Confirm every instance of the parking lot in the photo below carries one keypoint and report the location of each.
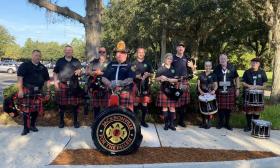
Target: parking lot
(7, 79)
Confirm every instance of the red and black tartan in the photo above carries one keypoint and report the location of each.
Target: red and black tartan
(126, 100)
(140, 99)
(96, 100)
(64, 98)
(226, 100)
(164, 101)
(253, 109)
(185, 98)
(29, 104)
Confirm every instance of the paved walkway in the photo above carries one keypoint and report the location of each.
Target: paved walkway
(39, 149)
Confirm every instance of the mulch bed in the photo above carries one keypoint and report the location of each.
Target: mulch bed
(148, 155)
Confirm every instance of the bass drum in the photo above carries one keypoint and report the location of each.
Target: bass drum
(116, 131)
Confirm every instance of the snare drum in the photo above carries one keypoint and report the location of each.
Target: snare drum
(261, 129)
(254, 98)
(208, 104)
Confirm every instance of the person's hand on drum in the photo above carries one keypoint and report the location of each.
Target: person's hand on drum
(213, 92)
(202, 93)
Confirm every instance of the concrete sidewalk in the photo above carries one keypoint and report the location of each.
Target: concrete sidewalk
(40, 149)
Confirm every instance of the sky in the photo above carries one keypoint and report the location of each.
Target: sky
(24, 20)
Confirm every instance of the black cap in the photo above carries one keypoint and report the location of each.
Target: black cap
(181, 44)
(256, 60)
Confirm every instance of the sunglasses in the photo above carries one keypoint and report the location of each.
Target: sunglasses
(101, 52)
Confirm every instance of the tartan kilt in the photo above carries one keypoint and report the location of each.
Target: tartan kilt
(253, 109)
(164, 101)
(185, 98)
(97, 101)
(140, 99)
(126, 99)
(64, 98)
(30, 104)
(226, 100)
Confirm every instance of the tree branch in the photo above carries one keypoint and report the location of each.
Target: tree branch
(64, 11)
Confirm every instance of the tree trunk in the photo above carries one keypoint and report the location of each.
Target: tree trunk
(275, 93)
(163, 43)
(93, 27)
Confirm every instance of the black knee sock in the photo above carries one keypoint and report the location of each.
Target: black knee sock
(96, 112)
(221, 115)
(25, 120)
(144, 110)
(256, 117)
(203, 119)
(166, 116)
(249, 120)
(172, 116)
(181, 112)
(227, 117)
(61, 114)
(34, 116)
(75, 113)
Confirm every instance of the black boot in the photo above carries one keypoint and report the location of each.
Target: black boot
(172, 119)
(227, 118)
(75, 117)
(144, 113)
(181, 120)
(25, 124)
(61, 118)
(221, 115)
(34, 116)
(96, 112)
(202, 125)
(207, 122)
(248, 120)
(166, 120)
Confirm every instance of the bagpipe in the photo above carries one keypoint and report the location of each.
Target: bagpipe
(95, 84)
(171, 90)
(142, 87)
(9, 105)
(12, 102)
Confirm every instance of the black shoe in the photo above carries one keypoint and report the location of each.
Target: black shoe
(182, 124)
(166, 126)
(219, 126)
(228, 127)
(76, 125)
(25, 131)
(144, 124)
(61, 125)
(34, 129)
(247, 129)
(172, 126)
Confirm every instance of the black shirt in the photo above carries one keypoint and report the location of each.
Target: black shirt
(33, 75)
(249, 75)
(169, 73)
(141, 68)
(180, 65)
(65, 69)
(124, 71)
(231, 74)
(207, 81)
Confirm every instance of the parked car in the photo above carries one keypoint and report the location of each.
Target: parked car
(9, 67)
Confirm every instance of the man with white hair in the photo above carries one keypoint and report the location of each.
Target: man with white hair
(228, 90)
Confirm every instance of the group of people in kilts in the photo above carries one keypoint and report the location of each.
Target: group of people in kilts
(131, 81)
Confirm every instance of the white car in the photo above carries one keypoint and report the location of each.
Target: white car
(9, 67)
